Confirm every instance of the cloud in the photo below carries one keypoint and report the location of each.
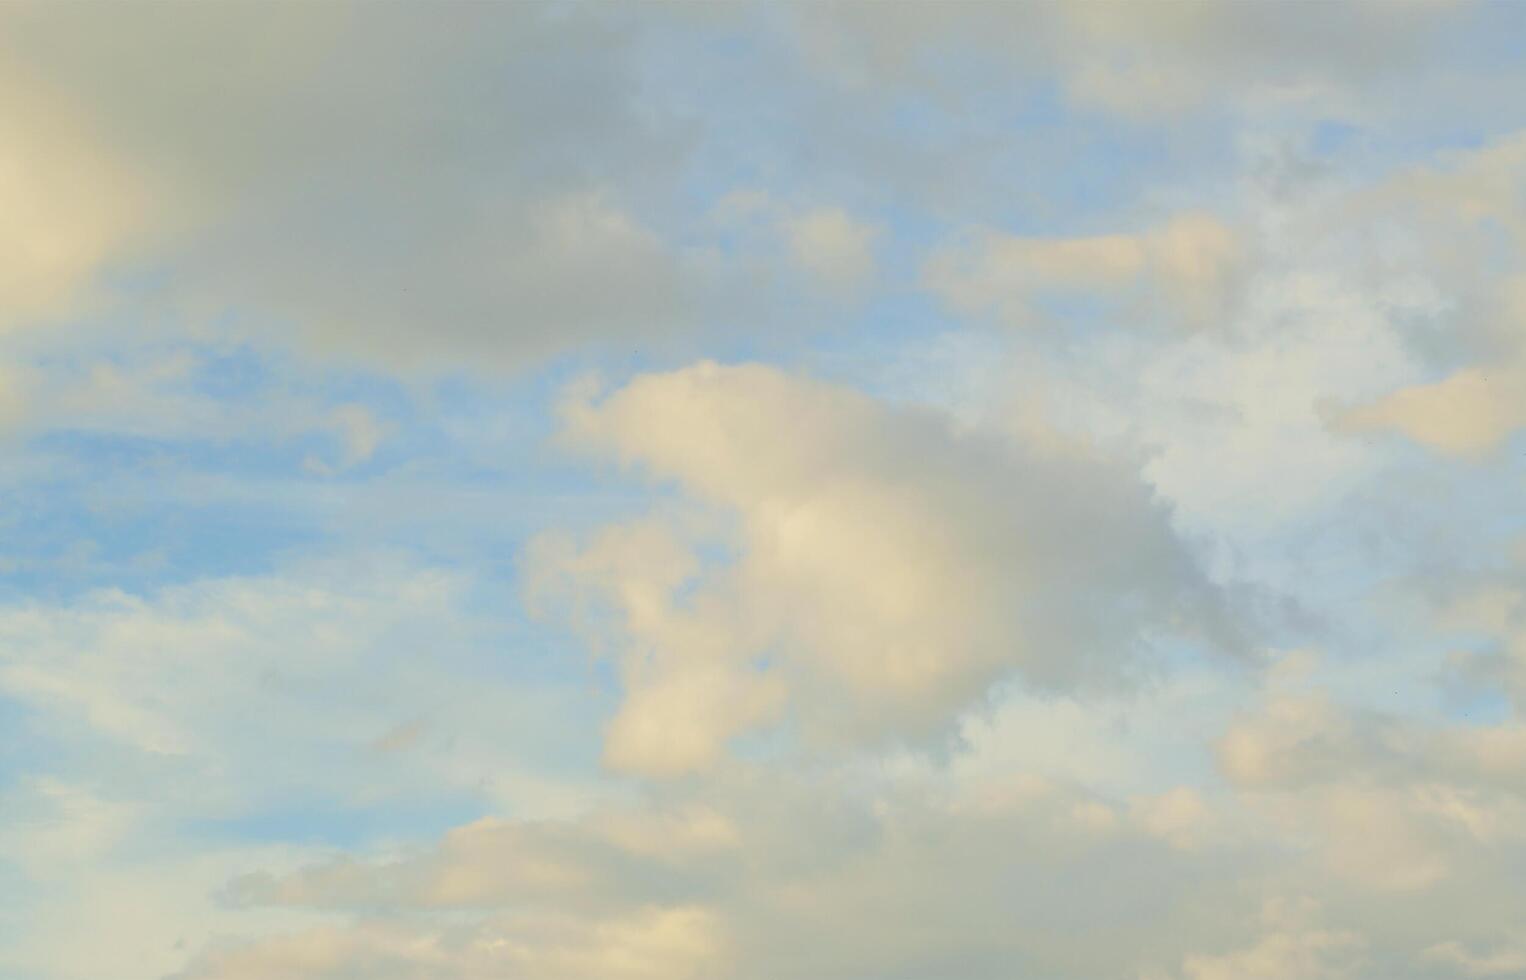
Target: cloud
(388, 186)
(359, 435)
(169, 737)
(1407, 830)
(888, 567)
(1464, 220)
(1245, 50)
(653, 944)
(1145, 60)
(287, 676)
(878, 690)
(874, 872)
(1490, 612)
(768, 873)
(539, 276)
(1395, 804)
(594, 865)
(1186, 270)
(71, 205)
(830, 245)
(1343, 292)
(1291, 947)
(494, 186)
(74, 847)
(801, 250)
(1469, 413)
(1505, 960)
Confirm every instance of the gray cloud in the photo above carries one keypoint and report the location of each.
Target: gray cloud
(404, 183)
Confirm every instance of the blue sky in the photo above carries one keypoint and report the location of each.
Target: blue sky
(825, 490)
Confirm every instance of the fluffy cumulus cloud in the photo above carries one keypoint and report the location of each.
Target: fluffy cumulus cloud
(842, 491)
(883, 566)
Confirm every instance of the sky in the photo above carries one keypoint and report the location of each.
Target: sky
(827, 491)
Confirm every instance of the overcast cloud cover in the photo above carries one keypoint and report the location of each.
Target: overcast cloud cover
(826, 491)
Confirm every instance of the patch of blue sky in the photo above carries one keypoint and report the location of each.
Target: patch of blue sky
(19, 753)
(118, 528)
(1014, 151)
(456, 462)
(319, 821)
(1332, 135)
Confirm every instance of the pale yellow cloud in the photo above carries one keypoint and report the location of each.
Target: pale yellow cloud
(673, 943)
(689, 686)
(1186, 270)
(71, 205)
(889, 566)
(795, 873)
(832, 246)
(1407, 835)
(1469, 413)
(1396, 805)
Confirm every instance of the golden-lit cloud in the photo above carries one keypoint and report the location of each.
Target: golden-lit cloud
(888, 567)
